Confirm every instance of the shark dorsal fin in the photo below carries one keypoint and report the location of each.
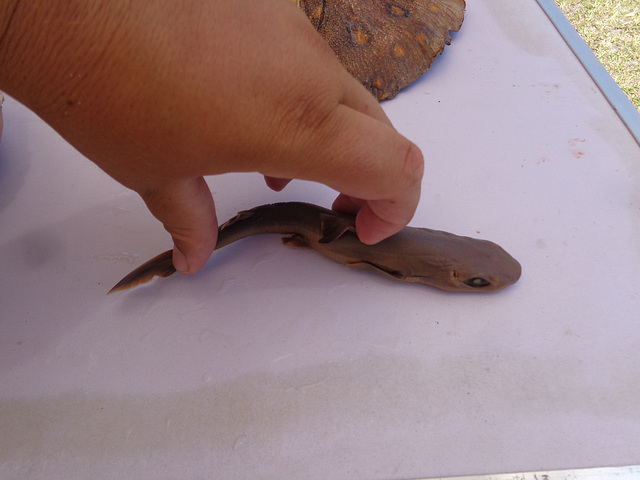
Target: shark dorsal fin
(334, 227)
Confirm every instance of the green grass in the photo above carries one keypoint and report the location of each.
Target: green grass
(612, 29)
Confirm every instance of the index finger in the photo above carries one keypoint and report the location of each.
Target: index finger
(378, 219)
(377, 168)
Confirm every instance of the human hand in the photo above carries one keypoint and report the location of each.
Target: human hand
(161, 93)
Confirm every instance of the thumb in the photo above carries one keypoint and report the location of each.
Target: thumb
(186, 209)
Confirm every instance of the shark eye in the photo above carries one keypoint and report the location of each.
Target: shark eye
(477, 282)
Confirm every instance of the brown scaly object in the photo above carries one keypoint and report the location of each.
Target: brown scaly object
(385, 44)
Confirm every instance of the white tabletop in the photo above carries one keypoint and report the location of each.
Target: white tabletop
(278, 363)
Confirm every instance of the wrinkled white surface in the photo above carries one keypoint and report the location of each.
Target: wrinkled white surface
(277, 363)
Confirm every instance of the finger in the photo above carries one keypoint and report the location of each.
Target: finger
(377, 220)
(187, 211)
(276, 183)
(346, 204)
(381, 218)
(377, 170)
(370, 226)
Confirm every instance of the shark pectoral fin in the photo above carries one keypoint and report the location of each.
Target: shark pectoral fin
(159, 266)
(334, 227)
(295, 241)
(375, 268)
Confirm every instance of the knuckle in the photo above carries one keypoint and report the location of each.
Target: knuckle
(308, 112)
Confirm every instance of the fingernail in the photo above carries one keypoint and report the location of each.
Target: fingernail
(180, 261)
